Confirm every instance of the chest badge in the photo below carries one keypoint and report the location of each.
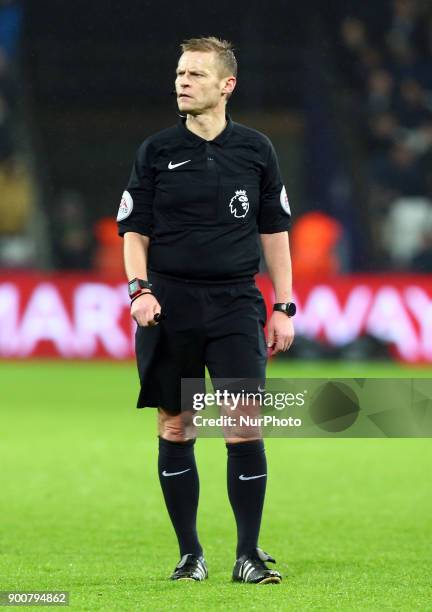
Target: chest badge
(239, 204)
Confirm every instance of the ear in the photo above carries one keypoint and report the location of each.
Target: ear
(229, 85)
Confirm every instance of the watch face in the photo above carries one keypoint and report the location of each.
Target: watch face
(133, 286)
(291, 309)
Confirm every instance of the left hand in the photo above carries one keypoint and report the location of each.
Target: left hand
(280, 332)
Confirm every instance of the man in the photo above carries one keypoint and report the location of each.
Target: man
(200, 196)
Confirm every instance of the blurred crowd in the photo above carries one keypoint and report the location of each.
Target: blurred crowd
(389, 71)
(77, 244)
(385, 62)
(16, 188)
(74, 244)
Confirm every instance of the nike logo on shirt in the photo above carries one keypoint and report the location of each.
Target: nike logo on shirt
(171, 166)
(165, 473)
(242, 477)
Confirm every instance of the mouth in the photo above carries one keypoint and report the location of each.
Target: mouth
(184, 97)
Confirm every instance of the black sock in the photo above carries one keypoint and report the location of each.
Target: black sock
(247, 460)
(181, 491)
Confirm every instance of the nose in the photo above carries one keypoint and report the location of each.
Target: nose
(183, 81)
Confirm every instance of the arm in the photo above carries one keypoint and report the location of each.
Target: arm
(274, 220)
(135, 224)
(135, 249)
(276, 251)
(278, 260)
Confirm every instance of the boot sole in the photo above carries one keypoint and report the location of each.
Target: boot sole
(270, 580)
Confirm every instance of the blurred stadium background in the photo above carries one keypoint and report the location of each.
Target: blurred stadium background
(344, 90)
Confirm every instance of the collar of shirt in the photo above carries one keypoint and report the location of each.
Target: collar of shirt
(219, 140)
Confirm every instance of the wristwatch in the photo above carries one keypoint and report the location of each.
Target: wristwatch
(289, 308)
(136, 285)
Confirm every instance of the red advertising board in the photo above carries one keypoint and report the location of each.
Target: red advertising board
(83, 317)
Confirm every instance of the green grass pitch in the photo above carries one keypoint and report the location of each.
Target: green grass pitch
(348, 520)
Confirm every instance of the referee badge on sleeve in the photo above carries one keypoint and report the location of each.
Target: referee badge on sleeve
(126, 206)
(284, 201)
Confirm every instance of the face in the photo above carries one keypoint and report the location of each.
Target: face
(199, 84)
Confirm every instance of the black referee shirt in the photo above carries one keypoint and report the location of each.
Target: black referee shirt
(204, 203)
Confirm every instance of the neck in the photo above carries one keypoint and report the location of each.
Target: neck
(207, 125)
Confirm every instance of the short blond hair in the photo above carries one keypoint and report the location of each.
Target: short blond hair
(223, 50)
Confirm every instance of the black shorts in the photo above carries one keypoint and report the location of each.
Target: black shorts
(218, 326)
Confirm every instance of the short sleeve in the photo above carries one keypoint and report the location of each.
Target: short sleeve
(135, 212)
(275, 213)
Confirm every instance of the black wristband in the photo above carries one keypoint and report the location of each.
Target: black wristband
(140, 294)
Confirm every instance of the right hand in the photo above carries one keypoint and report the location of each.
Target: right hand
(144, 308)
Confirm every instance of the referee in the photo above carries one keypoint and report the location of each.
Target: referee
(202, 196)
